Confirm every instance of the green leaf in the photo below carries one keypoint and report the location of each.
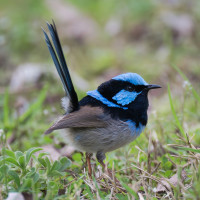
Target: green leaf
(174, 113)
(31, 173)
(30, 152)
(3, 171)
(168, 173)
(65, 162)
(77, 157)
(52, 189)
(168, 165)
(36, 177)
(48, 164)
(27, 183)
(13, 161)
(18, 154)
(21, 161)
(56, 173)
(42, 162)
(56, 166)
(42, 154)
(131, 191)
(190, 149)
(9, 153)
(2, 158)
(15, 177)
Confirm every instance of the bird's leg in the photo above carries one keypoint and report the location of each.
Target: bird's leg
(88, 156)
(101, 157)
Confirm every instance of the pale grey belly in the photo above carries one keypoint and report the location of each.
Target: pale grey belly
(92, 140)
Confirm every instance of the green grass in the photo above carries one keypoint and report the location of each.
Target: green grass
(140, 167)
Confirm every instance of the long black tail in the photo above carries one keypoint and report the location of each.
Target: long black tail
(61, 65)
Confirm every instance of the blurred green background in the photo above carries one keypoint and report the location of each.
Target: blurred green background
(104, 38)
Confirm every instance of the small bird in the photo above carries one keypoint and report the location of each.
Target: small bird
(107, 118)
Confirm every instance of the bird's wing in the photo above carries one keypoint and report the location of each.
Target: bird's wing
(61, 65)
(86, 116)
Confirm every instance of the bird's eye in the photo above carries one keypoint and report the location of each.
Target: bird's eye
(130, 88)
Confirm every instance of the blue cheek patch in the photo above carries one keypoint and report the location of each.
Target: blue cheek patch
(95, 94)
(125, 97)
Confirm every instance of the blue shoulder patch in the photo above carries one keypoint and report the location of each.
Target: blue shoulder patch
(95, 94)
(135, 131)
(125, 97)
(131, 78)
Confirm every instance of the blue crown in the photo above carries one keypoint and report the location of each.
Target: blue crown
(133, 78)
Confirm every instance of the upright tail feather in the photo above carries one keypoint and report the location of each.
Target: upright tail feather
(61, 65)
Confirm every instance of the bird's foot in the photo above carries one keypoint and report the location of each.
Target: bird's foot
(108, 174)
(112, 177)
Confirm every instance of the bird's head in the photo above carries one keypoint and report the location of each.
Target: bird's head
(123, 91)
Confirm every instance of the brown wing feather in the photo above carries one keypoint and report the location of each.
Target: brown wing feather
(85, 117)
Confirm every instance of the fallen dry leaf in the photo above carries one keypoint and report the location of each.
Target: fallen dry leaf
(166, 182)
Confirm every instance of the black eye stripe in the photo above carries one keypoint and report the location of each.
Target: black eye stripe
(139, 88)
(130, 88)
(110, 88)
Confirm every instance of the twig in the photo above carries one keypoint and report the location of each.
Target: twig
(156, 168)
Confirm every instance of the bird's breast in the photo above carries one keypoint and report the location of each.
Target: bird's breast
(116, 134)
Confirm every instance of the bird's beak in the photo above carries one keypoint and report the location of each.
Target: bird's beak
(149, 87)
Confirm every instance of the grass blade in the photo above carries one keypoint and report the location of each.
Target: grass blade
(196, 95)
(190, 149)
(131, 191)
(178, 124)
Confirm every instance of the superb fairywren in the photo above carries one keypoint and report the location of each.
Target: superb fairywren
(107, 118)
